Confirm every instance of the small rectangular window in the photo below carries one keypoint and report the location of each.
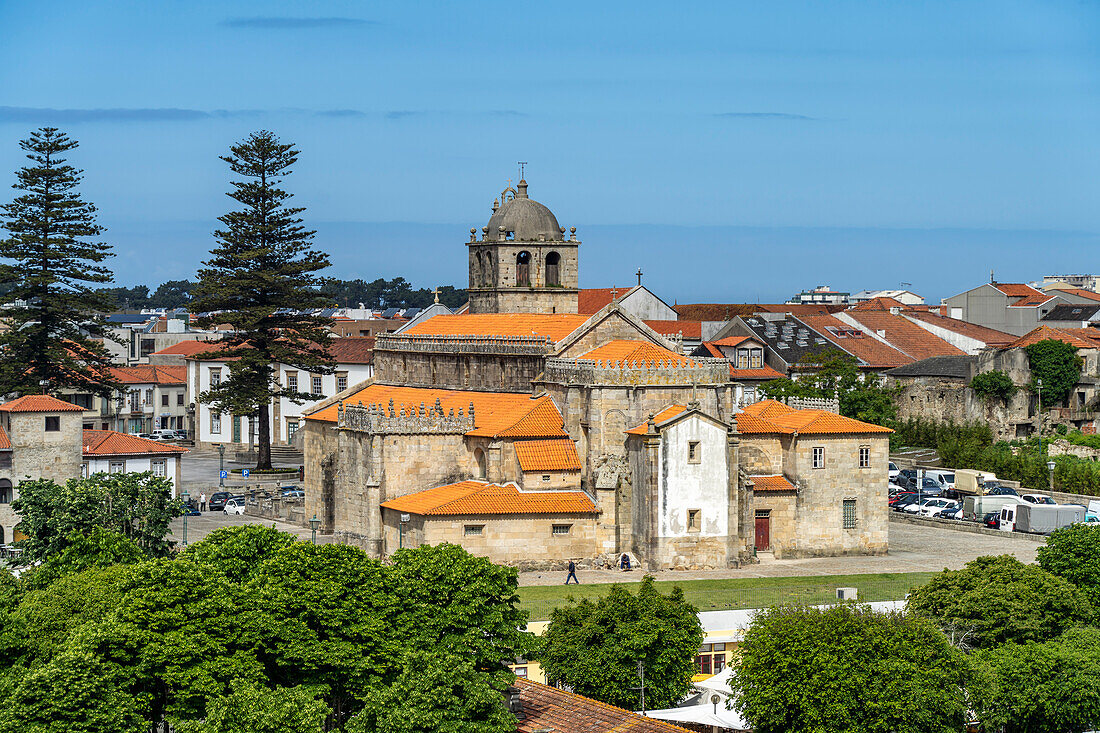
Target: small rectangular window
(341, 381)
(292, 381)
(545, 477)
(705, 648)
(695, 451)
(53, 423)
(719, 647)
(473, 530)
(865, 456)
(693, 520)
(520, 672)
(160, 467)
(164, 400)
(215, 376)
(316, 385)
(118, 466)
(703, 660)
(179, 398)
(149, 397)
(719, 663)
(819, 457)
(216, 423)
(83, 470)
(560, 530)
(5, 459)
(849, 514)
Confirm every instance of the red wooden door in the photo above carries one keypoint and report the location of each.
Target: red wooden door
(763, 532)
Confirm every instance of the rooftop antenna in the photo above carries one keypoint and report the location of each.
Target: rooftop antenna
(521, 164)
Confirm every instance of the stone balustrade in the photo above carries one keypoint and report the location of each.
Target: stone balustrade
(502, 345)
(590, 371)
(378, 419)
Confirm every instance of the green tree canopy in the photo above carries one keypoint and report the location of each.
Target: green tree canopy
(53, 334)
(595, 647)
(994, 600)
(847, 668)
(834, 373)
(1073, 553)
(1057, 364)
(993, 385)
(252, 708)
(260, 279)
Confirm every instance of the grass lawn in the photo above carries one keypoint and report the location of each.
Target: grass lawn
(721, 594)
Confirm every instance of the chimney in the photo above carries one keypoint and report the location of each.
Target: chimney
(515, 704)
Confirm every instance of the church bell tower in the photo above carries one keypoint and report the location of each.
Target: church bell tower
(523, 262)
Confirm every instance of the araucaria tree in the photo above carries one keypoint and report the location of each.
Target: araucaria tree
(259, 280)
(55, 326)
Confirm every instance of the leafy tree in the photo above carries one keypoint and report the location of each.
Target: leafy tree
(172, 294)
(436, 692)
(259, 279)
(594, 647)
(53, 335)
(994, 600)
(1053, 687)
(1057, 364)
(137, 505)
(122, 298)
(251, 708)
(847, 668)
(1073, 553)
(833, 373)
(99, 549)
(238, 552)
(993, 385)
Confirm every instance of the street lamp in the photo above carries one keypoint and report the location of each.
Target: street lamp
(186, 497)
(1039, 385)
(314, 524)
(1050, 467)
(221, 465)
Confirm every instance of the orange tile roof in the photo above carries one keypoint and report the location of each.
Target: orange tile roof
(872, 352)
(666, 414)
(988, 336)
(820, 422)
(713, 350)
(749, 424)
(495, 413)
(592, 300)
(690, 329)
(767, 408)
(352, 349)
(547, 455)
(150, 374)
(482, 498)
(5, 441)
(554, 326)
(635, 351)
(39, 403)
(547, 709)
(1016, 290)
(880, 303)
(764, 372)
(1031, 301)
(1080, 293)
(771, 483)
(112, 443)
(904, 335)
(187, 348)
(731, 340)
(1043, 333)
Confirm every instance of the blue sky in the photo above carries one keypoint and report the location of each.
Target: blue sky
(734, 151)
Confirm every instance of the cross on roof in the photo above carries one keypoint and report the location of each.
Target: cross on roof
(614, 293)
(639, 274)
(436, 293)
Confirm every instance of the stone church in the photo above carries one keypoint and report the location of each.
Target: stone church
(533, 435)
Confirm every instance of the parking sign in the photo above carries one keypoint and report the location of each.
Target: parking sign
(223, 474)
(244, 473)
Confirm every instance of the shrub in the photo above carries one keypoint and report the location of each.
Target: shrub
(993, 385)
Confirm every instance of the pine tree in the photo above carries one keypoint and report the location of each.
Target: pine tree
(54, 319)
(258, 280)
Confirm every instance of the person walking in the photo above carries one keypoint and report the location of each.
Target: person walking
(202, 502)
(572, 573)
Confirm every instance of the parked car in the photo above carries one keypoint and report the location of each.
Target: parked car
(901, 495)
(234, 505)
(181, 435)
(992, 519)
(191, 509)
(916, 507)
(217, 501)
(293, 494)
(893, 471)
(998, 490)
(935, 506)
(953, 510)
(164, 434)
(906, 500)
(147, 436)
(1037, 499)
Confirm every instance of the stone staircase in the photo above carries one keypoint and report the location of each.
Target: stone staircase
(281, 455)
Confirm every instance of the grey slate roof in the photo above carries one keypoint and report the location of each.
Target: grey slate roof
(790, 338)
(1071, 312)
(954, 367)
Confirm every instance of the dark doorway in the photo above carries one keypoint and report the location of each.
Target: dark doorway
(763, 529)
(523, 269)
(552, 276)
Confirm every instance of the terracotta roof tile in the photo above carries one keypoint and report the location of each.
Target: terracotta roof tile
(554, 326)
(1077, 337)
(750, 424)
(495, 413)
(690, 329)
(712, 350)
(764, 372)
(880, 303)
(150, 374)
(666, 414)
(767, 409)
(820, 422)
(483, 498)
(1017, 290)
(592, 300)
(352, 349)
(111, 443)
(187, 348)
(904, 335)
(547, 709)
(5, 441)
(39, 403)
(771, 483)
(635, 351)
(988, 336)
(1031, 301)
(1080, 293)
(731, 340)
(547, 455)
(872, 352)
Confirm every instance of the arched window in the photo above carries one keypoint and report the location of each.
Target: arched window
(487, 271)
(477, 276)
(552, 276)
(523, 269)
(479, 456)
(6, 496)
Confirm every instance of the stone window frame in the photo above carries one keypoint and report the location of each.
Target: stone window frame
(341, 381)
(215, 423)
(566, 530)
(473, 530)
(52, 424)
(159, 463)
(817, 459)
(848, 513)
(865, 456)
(694, 520)
(292, 381)
(120, 465)
(317, 383)
(695, 451)
(215, 376)
(179, 398)
(164, 399)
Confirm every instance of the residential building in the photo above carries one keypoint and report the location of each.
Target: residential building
(748, 370)
(821, 295)
(151, 397)
(109, 451)
(1073, 316)
(1082, 282)
(1014, 308)
(904, 297)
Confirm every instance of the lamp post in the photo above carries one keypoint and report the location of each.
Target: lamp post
(1039, 385)
(1050, 467)
(314, 524)
(221, 464)
(186, 498)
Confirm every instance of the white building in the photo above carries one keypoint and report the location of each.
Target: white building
(107, 451)
(353, 356)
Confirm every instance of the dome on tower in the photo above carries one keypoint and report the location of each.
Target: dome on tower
(523, 219)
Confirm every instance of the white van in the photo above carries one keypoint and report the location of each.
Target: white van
(1008, 517)
(944, 477)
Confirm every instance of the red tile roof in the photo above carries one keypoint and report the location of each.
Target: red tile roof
(592, 300)
(187, 348)
(39, 403)
(764, 372)
(767, 408)
(1080, 338)
(690, 329)
(872, 352)
(483, 498)
(806, 422)
(547, 455)
(555, 326)
(750, 424)
(1031, 301)
(666, 414)
(988, 336)
(904, 335)
(5, 441)
(731, 340)
(1017, 290)
(352, 349)
(771, 483)
(642, 352)
(713, 350)
(496, 414)
(547, 709)
(150, 374)
(880, 303)
(111, 443)
(1080, 293)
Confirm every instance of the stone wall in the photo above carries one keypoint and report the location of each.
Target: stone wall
(1063, 447)
(524, 300)
(950, 400)
(495, 368)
